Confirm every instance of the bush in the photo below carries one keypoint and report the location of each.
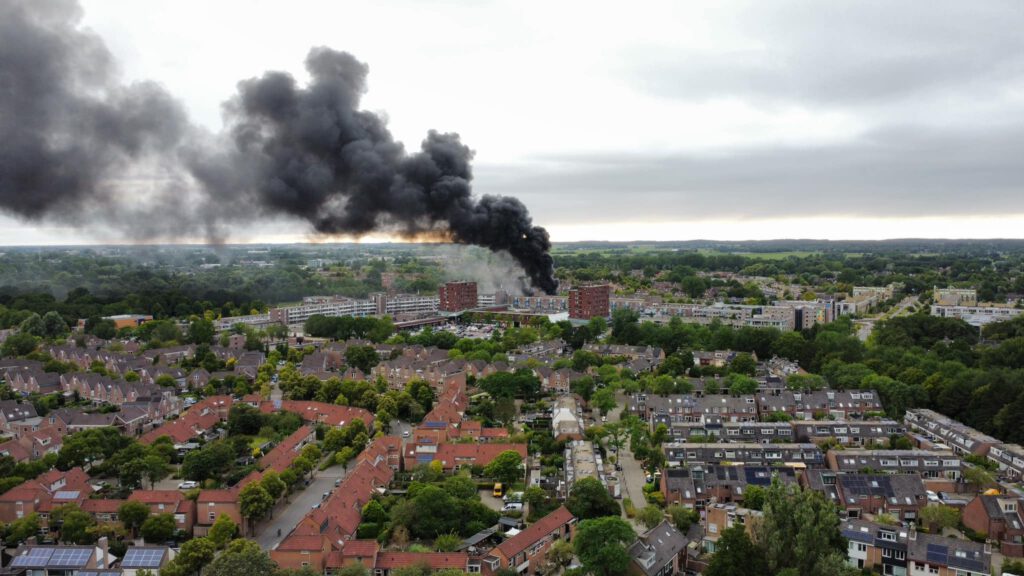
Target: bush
(368, 530)
(627, 505)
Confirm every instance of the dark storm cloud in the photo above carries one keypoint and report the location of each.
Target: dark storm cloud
(69, 129)
(901, 172)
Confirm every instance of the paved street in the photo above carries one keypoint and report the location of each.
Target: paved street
(288, 514)
(632, 474)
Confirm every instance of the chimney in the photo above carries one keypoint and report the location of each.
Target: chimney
(103, 562)
(913, 531)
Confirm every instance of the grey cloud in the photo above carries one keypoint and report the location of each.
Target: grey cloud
(842, 52)
(902, 171)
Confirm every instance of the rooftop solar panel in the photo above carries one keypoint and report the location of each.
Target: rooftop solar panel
(34, 557)
(143, 558)
(70, 557)
(66, 494)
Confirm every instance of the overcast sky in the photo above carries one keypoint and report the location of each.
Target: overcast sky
(648, 120)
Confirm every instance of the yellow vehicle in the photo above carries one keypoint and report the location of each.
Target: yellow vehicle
(498, 490)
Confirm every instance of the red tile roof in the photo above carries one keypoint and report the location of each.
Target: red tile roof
(297, 543)
(217, 496)
(436, 560)
(535, 532)
(157, 496)
(101, 505)
(452, 455)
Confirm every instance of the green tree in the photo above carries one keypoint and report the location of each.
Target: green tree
(506, 467)
(222, 531)
(798, 530)
(19, 344)
(447, 542)
(738, 384)
(54, 325)
(243, 558)
(155, 469)
(753, 497)
(736, 554)
(75, 525)
(33, 325)
(200, 331)
(937, 517)
(21, 529)
(683, 517)
(158, 528)
(650, 516)
(588, 499)
(604, 400)
(743, 363)
(601, 545)
(978, 477)
(354, 569)
(273, 484)
(361, 357)
(132, 514)
(254, 503)
(461, 487)
(195, 554)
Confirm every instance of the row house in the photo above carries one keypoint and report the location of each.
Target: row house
(937, 554)
(847, 432)
(454, 456)
(720, 517)
(102, 510)
(32, 380)
(559, 380)
(928, 464)
(875, 547)
(630, 352)
(14, 413)
(130, 421)
(168, 355)
(688, 454)
(171, 502)
(211, 504)
(901, 495)
(940, 429)
(320, 412)
(42, 441)
(328, 529)
(197, 421)
(381, 562)
(661, 551)
(819, 404)
(38, 494)
(698, 485)
(690, 408)
(63, 560)
(14, 450)
(1010, 459)
(743, 432)
(1001, 518)
(524, 552)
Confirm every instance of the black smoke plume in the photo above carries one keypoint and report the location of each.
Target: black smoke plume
(68, 128)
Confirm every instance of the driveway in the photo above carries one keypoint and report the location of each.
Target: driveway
(290, 512)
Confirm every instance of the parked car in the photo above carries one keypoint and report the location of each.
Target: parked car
(513, 507)
(405, 434)
(188, 485)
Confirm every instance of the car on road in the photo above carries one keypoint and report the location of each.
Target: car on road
(405, 434)
(337, 482)
(326, 495)
(315, 506)
(188, 485)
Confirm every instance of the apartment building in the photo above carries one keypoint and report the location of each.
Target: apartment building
(978, 315)
(955, 296)
(586, 302)
(937, 428)
(928, 464)
(457, 296)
